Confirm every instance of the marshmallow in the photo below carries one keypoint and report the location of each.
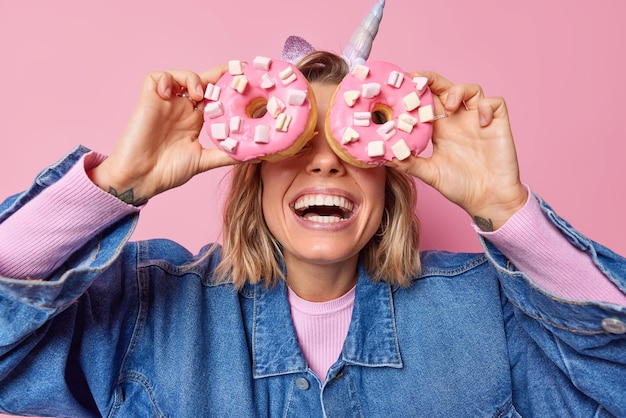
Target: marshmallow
(426, 113)
(361, 118)
(214, 109)
(229, 144)
(369, 90)
(282, 122)
(235, 67)
(219, 131)
(376, 149)
(262, 63)
(420, 84)
(387, 130)
(411, 101)
(395, 79)
(239, 83)
(235, 124)
(212, 92)
(349, 135)
(296, 97)
(360, 71)
(261, 134)
(275, 107)
(351, 97)
(406, 122)
(287, 76)
(401, 150)
(267, 82)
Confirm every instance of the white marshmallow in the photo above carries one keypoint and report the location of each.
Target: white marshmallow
(420, 84)
(387, 130)
(282, 122)
(212, 92)
(229, 144)
(235, 67)
(261, 134)
(349, 135)
(406, 122)
(360, 71)
(395, 79)
(361, 118)
(287, 76)
(262, 63)
(401, 150)
(376, 149)
(426, 114)
(411, 101)
(296, 97)
(239, 83)
(219, 131)
(369, 90)
(351, 96)
(236, 123)
(275, 107)
(267, 82)
(213, 109)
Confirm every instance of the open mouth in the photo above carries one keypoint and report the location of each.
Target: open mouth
(324, 208)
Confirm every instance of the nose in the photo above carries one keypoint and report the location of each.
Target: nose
(323, 159)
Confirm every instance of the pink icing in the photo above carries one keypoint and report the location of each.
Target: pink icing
(241, 144)
(342, 115)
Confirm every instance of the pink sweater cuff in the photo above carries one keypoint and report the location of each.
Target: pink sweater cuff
(539, 249)
(47, 230)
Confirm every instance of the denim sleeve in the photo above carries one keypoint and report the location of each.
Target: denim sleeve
(585, 340)
(58, 334)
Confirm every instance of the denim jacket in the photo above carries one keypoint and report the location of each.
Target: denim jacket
(132, 330)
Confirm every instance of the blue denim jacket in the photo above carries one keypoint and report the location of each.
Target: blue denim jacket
(130, 330)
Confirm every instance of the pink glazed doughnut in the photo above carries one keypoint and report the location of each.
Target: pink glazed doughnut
(260, 110)
(377, 113)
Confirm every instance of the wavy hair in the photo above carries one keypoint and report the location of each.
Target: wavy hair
(250, 253)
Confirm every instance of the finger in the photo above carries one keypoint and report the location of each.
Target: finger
(213, 158)
(438, 86)
(213, 74)
(467, 95)
(490, 108)
(419, 167)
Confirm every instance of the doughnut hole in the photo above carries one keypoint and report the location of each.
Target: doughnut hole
(381, 113)
(257, 108)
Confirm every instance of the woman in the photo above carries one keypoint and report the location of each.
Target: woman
(295, 316)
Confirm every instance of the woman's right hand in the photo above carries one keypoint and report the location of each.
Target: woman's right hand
(159, 149)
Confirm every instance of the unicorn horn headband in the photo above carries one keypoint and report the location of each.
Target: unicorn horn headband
(357, 51)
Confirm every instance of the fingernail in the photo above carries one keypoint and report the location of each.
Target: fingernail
(451, 101)
(483, 120)
(200, 90)
(167, 92)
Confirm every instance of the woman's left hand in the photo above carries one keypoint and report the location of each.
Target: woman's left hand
(474, 162)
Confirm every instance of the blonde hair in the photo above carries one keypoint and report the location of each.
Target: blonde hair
(250, 253)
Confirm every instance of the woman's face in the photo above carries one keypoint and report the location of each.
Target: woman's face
(321, 209)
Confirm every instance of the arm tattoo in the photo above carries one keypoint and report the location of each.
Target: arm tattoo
(484, 224)
(127, 197)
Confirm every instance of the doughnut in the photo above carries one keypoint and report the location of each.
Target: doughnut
(260, 110)
(378, 113)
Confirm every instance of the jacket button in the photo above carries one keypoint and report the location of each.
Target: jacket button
(613, 325)
(302, 383)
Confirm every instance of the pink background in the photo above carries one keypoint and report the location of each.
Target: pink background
(71, 72)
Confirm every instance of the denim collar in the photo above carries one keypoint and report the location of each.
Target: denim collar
(371, 339)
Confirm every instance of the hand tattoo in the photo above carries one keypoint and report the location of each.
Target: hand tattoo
(127, 197)
(484, 224)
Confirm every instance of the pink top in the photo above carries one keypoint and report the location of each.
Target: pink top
(32, 245)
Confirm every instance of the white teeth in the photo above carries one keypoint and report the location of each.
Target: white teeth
(323, 200)
(324, 219)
